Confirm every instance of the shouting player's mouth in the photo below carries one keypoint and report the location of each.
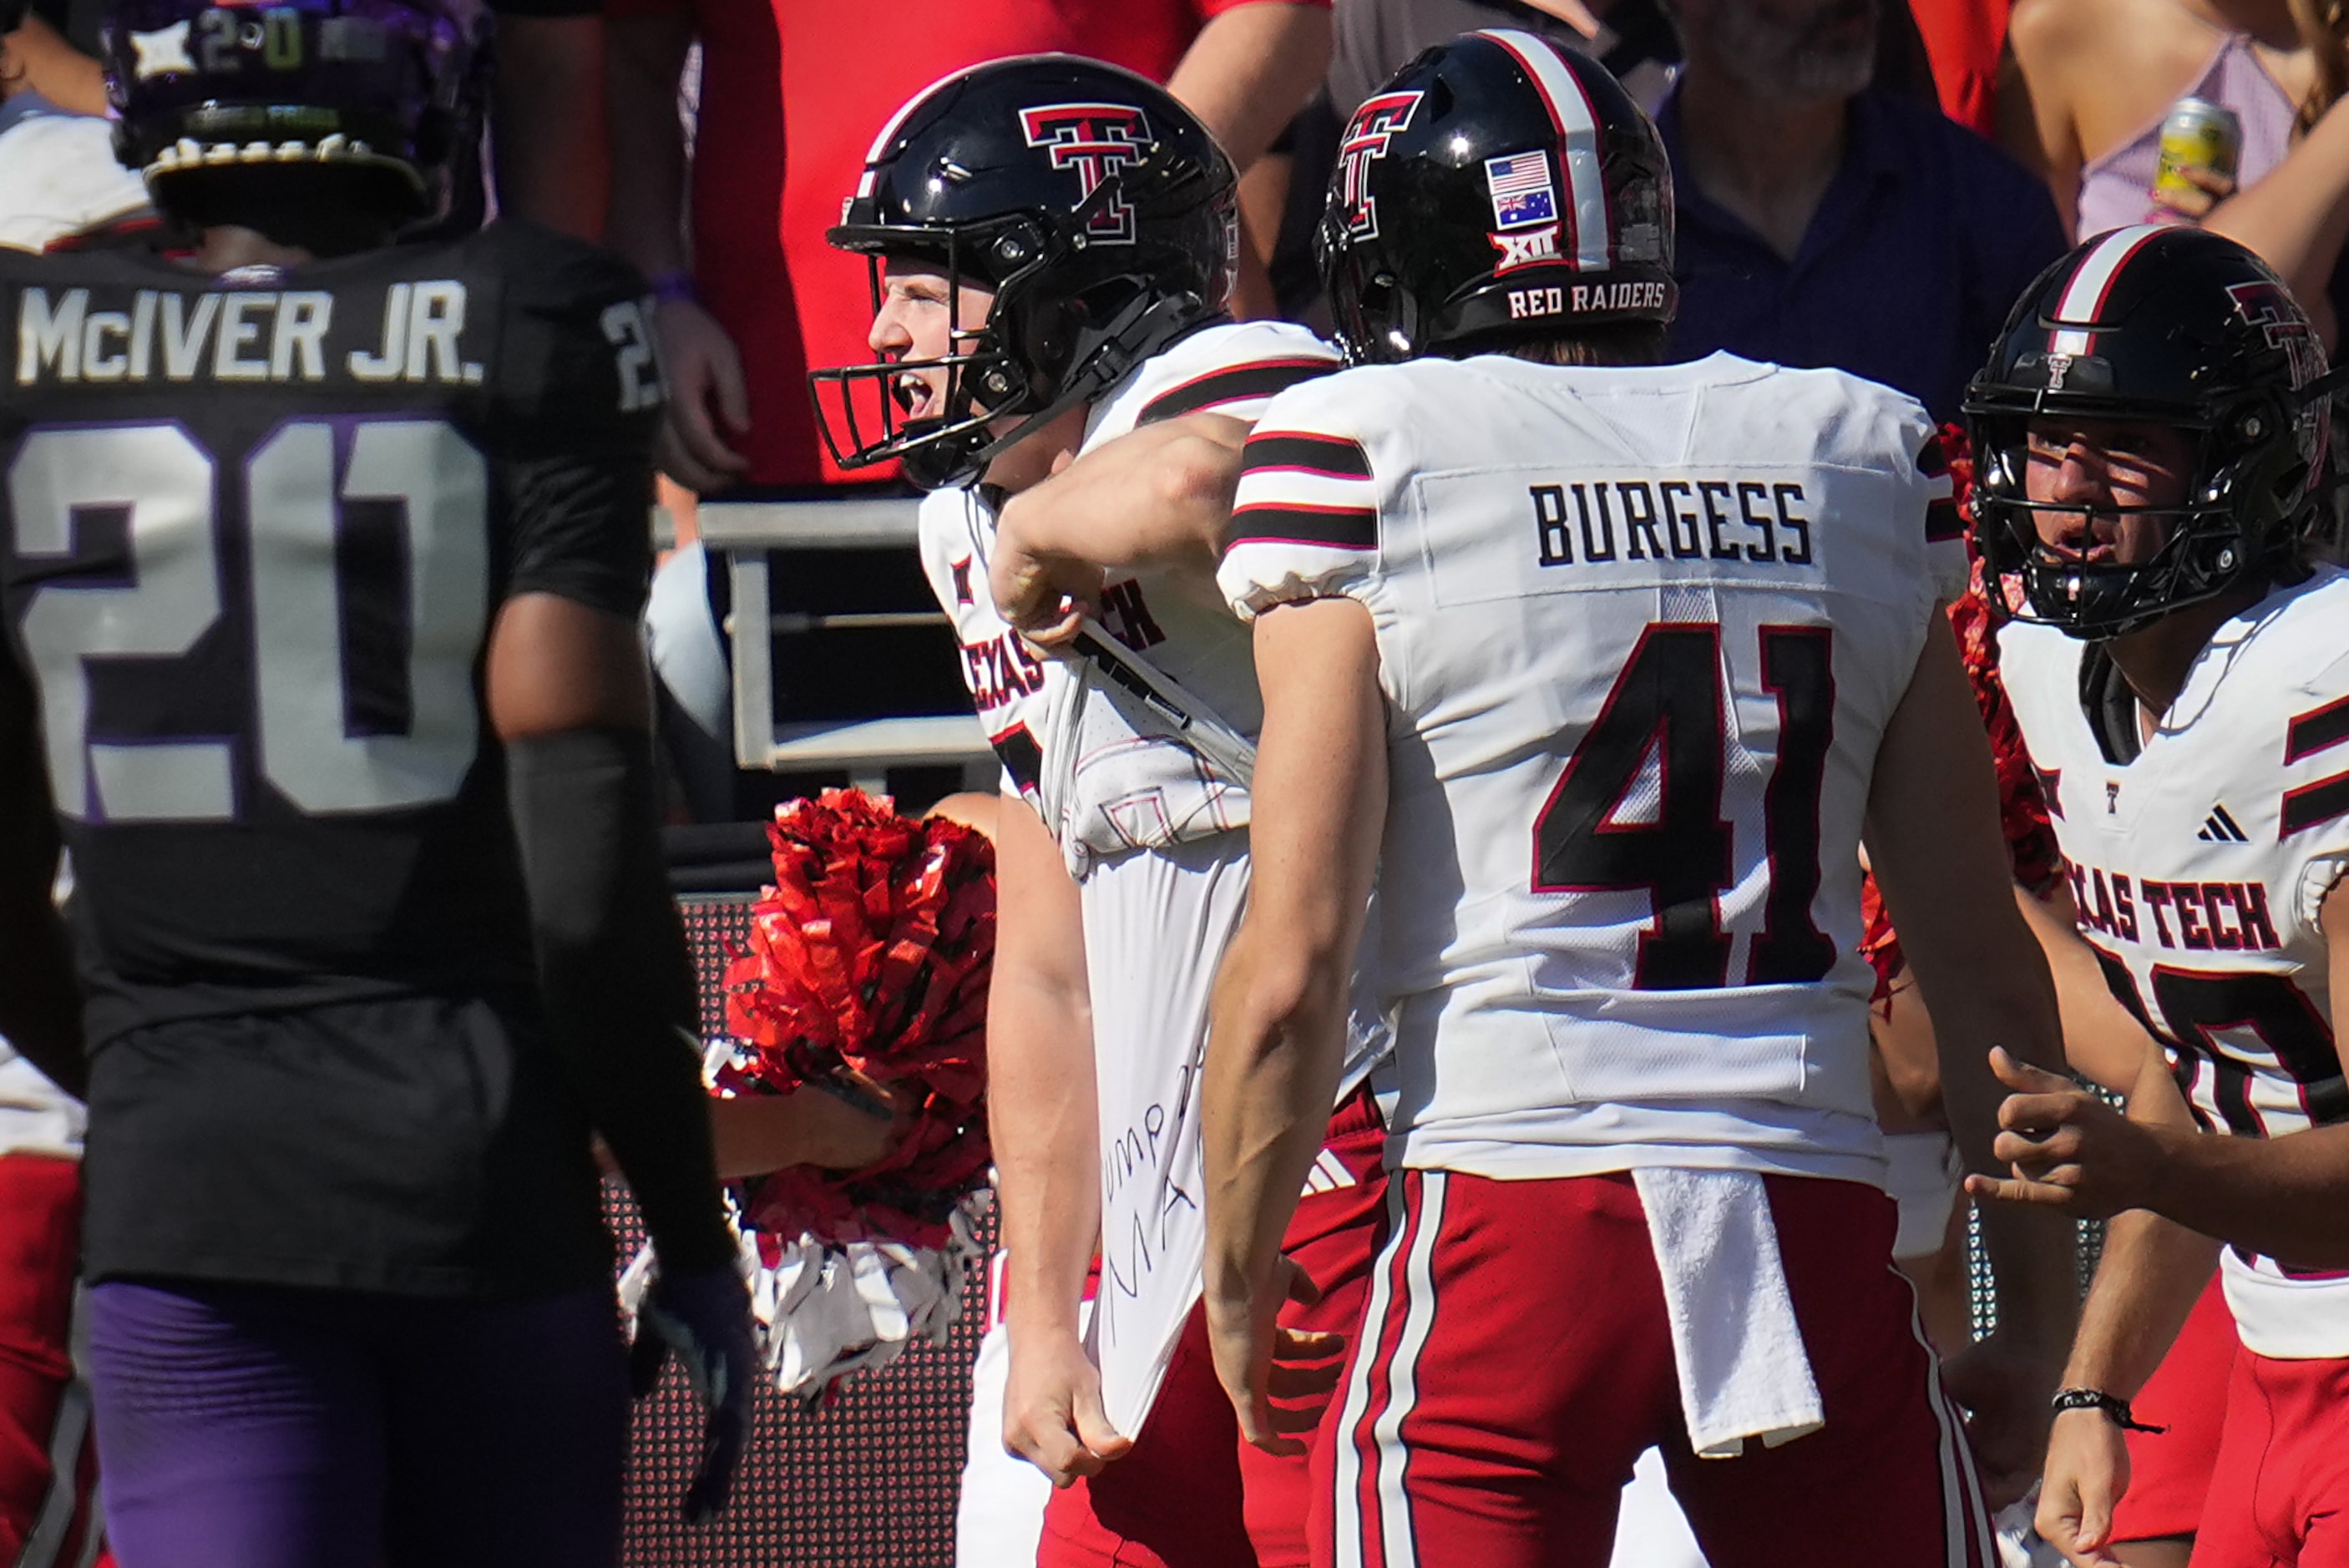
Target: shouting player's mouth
(2086, 538)
(917, 393)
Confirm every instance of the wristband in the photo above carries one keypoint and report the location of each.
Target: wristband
(2111, 1404)
(671, 286)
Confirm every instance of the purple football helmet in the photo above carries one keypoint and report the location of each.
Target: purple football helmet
(392, 86)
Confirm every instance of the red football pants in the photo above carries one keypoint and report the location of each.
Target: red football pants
(1191, 1492)
(1515, 1360)
(40, 1224)
(2280, 1491)
(2169, 1470)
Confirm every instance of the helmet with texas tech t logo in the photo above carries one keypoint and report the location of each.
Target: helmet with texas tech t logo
(1498, 186)
(1099, 210)
(2148, 325)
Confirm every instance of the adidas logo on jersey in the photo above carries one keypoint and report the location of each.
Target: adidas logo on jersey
(2220, 827)
(1328, 1175)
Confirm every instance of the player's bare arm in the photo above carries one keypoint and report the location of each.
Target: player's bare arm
(1933, 839)
(2283, 1197)
(40, 1006)
(1278, 1030)
(2103, 1042)
(1158, 499)
(1042, 1119)
(2146, 1284)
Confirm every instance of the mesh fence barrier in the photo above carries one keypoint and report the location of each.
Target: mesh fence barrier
(867, 1481)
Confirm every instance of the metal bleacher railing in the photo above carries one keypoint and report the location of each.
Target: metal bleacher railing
(749, 535)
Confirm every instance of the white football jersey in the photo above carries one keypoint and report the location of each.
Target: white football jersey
(2199, 868)
(1640, 632)
(1105, 770)
(59, 175)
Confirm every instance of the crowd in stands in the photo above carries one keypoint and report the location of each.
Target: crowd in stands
(1863, 184)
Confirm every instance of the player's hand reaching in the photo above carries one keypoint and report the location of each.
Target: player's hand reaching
(702, 1317)
(1278, 1379)
(704, 371)
(1040, 593)
(2068, 1149)
(2087, 1472)
(1053, 1414)
(2004, 1384)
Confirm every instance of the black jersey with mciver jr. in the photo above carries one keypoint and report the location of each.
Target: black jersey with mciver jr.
(254, 533)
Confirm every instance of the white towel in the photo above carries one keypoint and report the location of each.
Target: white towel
(1743, 1369)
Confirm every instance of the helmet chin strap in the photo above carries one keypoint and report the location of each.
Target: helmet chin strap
(1134, 333)
(2326, 386)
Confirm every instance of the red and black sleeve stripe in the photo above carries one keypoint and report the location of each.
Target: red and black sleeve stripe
(2319, 730)
(1232, 383)
(1942, 520)
(1305, 452)
(1278, 522)
(2312, 804)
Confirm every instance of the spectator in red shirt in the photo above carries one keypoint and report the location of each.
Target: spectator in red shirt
(1964, 38)
(792, 94)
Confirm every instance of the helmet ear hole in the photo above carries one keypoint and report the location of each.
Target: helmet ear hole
(2290, 483)
(1375, 304)
(1049, 336)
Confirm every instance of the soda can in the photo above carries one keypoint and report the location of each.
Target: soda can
(2197, 136)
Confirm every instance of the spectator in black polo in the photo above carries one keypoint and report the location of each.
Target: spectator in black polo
(1826, 220)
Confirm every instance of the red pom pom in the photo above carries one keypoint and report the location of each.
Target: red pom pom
(870, 954)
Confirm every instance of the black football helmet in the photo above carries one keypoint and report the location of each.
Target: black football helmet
(385, 94)
(1497, 186)
(2172, 327)
(1099, 210)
